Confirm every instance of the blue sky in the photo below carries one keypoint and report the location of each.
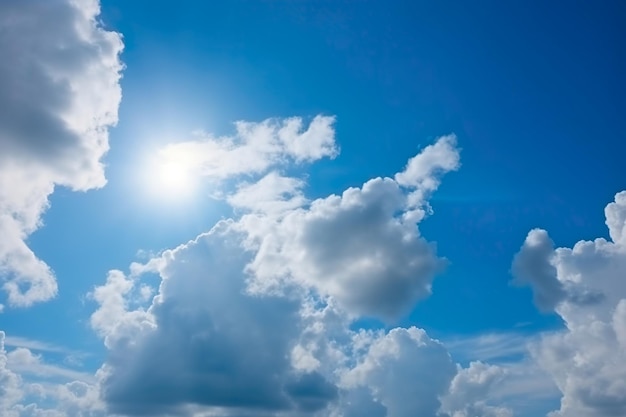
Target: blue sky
(515, 111)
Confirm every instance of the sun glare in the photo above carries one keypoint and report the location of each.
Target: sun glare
(170, 175)
(173, 174)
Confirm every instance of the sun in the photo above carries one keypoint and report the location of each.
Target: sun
(173, 174)
(170, 175)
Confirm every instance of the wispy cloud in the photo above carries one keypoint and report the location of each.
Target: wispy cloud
(526, 387)
(23, 361)
(526, 380)
(37, 345)
(492, 347)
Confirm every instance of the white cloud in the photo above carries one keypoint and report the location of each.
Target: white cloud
(113, 321)
(225, 348)
(536, 265)
(24, 362)
(533, 266)
(421, 170)
(405, 371)
(37, 345)
(489, 346)
(10, 383)
(231, 353)
(615, 214)
(588, 359)
(362, 248)
(256, 147)
(59, 92)
(469, 390)
(522, 385)
(423, 173)
(26, 382)
(272, 194)
(235, 346)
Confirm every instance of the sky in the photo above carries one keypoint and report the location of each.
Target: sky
(312, 208)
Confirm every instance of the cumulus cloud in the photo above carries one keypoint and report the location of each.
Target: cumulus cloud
(363, 248)
(442, 157)
(114, 320)
(10, 382)
(587, 360)
(27, 381)
(351, 247)
(255, 147)
(225, 348)
(406, 371)
(533, 266)
(254, 316)
(615, 214)
(59, 93)
(215, 349)
(468, 391)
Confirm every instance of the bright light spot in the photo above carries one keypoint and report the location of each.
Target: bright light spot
(171, 175)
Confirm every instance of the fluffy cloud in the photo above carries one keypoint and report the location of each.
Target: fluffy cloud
(255, 147)
(588, 359)
(361, 248)
(469, 389)
(10, 382)
(272, 194)
(254, 316)
(406, 371)
(533, 266)
(615, 214)
(59, 92)
(215, 349)
(72, 393)
(423, 173)
(225, 349)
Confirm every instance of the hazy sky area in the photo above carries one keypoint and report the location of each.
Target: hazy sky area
(312, 208)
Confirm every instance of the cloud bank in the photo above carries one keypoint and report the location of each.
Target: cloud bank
(254, 316)
(59, 92)
(585, 286)
(27, 382)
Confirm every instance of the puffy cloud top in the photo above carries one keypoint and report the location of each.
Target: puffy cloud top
(256, 147)
(59, 91)
(251, 316)
(585, 286)
(362, 248)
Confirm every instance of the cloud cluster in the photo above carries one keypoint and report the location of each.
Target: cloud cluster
(585, 286)
(256, 316)
(253, 318)
(259, 316)
(27, 382)
(225, 348)
(59, 92)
